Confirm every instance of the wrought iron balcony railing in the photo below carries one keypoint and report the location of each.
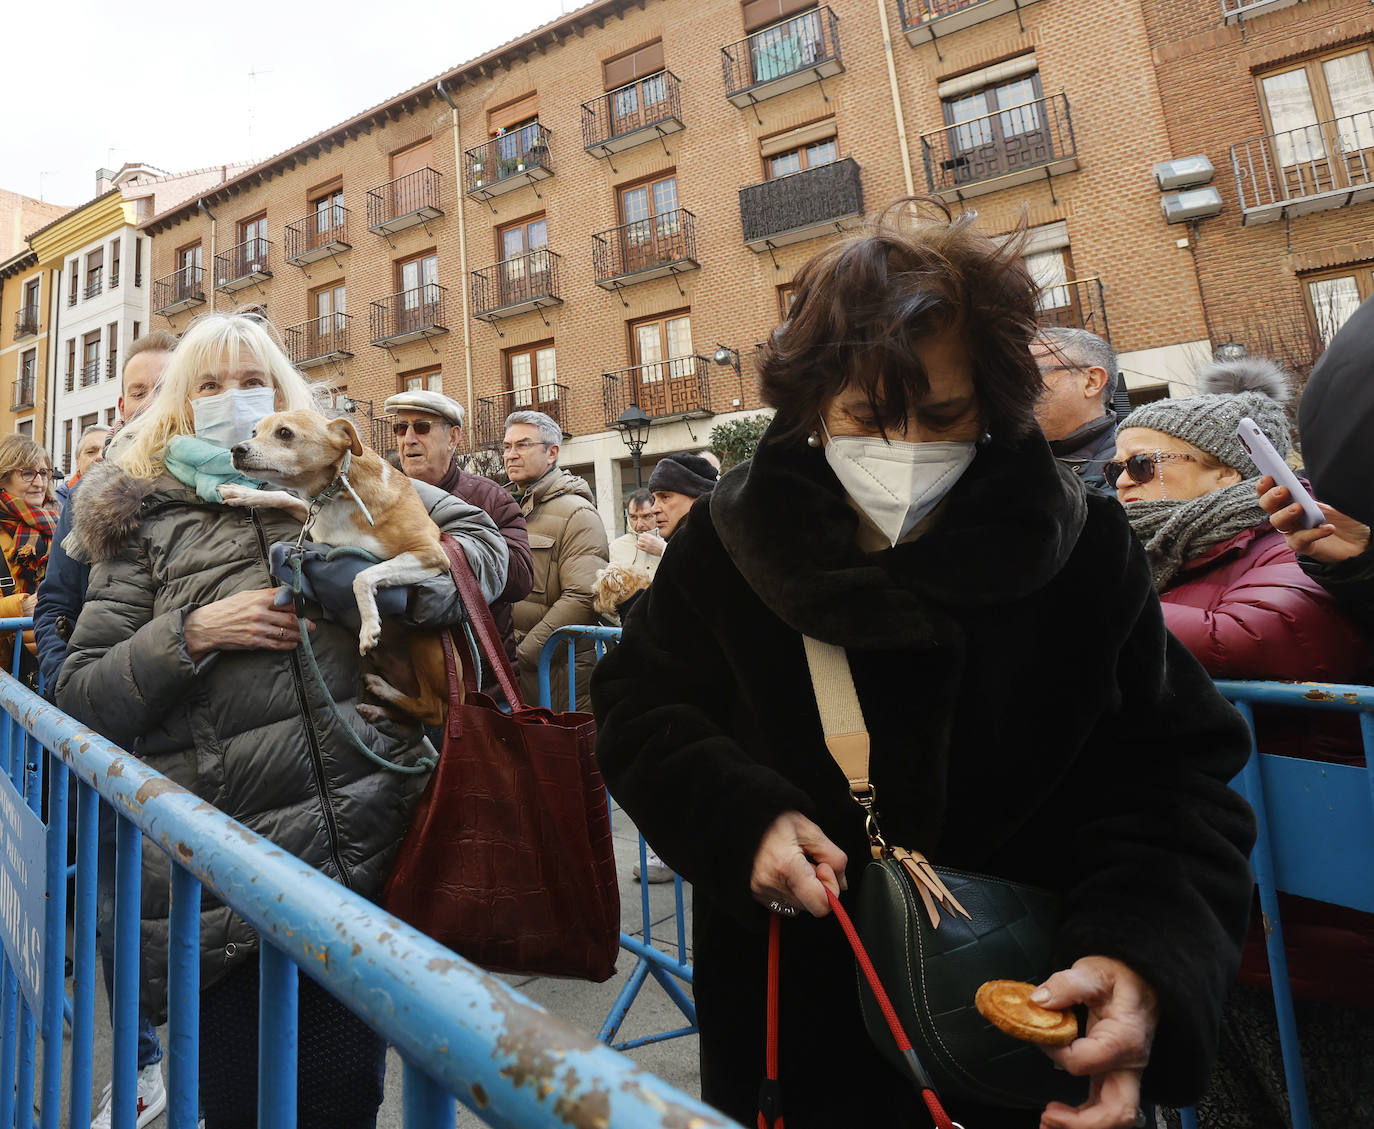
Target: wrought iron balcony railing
(674, 388)
(790, 54)
(112, 365)
(114, 276)
(26, 322)
(1004, 148)
(1076, 304)
(801, 205)
(928, 20)
(180, 290)
(95, 282)
(508, 162)
(404, 202)
(516, 286)
(25, 389)
(409, 315)
(1327, 165)
(318, 340)
(317, 236)
(645, 249)
(90, 372)
(243, 265)
(1233, 11)
(632, 114)
(549, 398)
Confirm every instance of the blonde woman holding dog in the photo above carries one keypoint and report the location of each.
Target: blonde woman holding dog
(182, 656)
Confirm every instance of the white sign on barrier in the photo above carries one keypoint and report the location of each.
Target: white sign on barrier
(23, 891)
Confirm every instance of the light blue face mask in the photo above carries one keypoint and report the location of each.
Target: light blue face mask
(229, 417)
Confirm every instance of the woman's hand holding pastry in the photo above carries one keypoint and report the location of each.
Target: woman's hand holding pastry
(794, 864)
(1123, 1013)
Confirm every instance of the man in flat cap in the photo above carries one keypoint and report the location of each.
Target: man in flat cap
(677, 481)
(429, 428)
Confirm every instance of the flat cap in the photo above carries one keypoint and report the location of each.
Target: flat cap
(435, 403)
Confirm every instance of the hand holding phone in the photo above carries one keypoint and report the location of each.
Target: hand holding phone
(1271, 463)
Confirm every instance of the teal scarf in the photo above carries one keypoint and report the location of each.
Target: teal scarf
(203, 466)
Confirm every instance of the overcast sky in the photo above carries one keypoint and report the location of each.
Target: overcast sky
(169, 84)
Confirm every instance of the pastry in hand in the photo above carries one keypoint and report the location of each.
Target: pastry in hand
(1006, 1004)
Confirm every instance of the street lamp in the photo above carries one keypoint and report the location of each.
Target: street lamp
(1229, 351)
(633, 426)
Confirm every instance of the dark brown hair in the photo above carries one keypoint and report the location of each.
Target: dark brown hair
(862, 304)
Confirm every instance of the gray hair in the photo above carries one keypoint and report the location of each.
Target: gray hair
(1087, 349)
(549, 431)
(91, 430)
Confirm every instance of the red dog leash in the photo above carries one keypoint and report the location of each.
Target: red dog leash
(770, 1091)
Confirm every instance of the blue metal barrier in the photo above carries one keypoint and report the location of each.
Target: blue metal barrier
(461, 1033)
(650, 962)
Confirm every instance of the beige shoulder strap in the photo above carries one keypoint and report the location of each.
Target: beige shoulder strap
(842, 718)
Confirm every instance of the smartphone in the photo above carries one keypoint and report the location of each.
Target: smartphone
(1269, 462)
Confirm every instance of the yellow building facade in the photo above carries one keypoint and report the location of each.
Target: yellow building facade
(27, 308)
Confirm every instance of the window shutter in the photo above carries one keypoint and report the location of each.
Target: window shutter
(795, 138)
(411, 160)
(513, 113)
(761, 13)
(634, 64)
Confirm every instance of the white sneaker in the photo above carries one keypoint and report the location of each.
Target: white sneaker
(658, 870)
(152, 1098)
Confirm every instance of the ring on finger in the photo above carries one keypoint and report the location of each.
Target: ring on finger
(281, 633)
(776, 906)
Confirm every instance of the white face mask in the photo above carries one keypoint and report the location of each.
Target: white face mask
(896, 483)
(229, 417)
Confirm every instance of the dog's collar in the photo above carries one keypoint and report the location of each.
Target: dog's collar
(329, 493)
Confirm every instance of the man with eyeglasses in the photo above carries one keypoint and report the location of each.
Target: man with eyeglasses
(569, 545)
(1075, 410)
(429, 429)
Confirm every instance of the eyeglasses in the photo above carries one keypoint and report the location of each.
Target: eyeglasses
(521, 447)
(1142, 467)
(28, 474)
(419, 426)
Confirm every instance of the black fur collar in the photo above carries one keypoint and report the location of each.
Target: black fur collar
(1005, 530)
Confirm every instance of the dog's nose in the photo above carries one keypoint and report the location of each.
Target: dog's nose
(239, 449)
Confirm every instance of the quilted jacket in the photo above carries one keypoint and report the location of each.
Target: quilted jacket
(248, 731)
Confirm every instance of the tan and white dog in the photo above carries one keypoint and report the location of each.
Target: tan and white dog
(306, 454)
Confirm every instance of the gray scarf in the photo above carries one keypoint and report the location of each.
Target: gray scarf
(1175, 533)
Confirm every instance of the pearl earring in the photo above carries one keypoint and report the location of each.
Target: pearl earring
(813, 440)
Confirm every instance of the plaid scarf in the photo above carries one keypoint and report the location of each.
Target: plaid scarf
(31, 530)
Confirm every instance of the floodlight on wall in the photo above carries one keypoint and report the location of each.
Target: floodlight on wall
(1195, 204)
(1184, 172)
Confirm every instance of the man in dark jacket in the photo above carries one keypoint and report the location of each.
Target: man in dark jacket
(1075, 411)
(677, 481)
(429, 427)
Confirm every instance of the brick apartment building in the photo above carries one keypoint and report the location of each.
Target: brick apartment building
(587, 217)
(1281, 96)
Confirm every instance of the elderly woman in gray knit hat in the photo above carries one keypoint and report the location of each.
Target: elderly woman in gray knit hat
(1231, 587)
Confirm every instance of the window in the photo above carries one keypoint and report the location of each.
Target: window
(1332, 296)
(114, 263)
(531, 376)
(523, 274)
(1321, 113)
(803, 157)
(787, 294)
(412, 159)
(1051, 271)
(792, 43)
(31, 299)
(73, 281)
(109, 417)
(326, 330)
(652, 224)
(189, 264)
(28, 368)
(90, 358)
(86, 421)
(431, 380)
(514, 143)
(253, 238)
(663, 348)
(112, 350)
(138, 329)
(417, 280)
(138, 264)
(636, 87)
(329, 214)
(68, 454)
(94, 272)
(25, 429)
(71, 363)
(997, 120)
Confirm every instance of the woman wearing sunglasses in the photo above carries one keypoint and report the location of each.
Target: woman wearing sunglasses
(1029, 715)
(28, 516)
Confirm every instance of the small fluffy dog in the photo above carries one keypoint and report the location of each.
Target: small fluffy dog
(614, 585)
(303, 452)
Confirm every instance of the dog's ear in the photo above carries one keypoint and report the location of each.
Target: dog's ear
(346, 431)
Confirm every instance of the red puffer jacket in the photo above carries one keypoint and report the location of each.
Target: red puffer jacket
(1246, 609)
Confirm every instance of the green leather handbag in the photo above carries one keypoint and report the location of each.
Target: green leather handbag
(935, 935)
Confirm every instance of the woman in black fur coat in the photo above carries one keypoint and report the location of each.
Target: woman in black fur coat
(1030, 715)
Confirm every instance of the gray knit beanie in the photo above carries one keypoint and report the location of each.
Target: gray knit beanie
(1209, 423)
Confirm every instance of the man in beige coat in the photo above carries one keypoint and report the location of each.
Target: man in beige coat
(568, 542)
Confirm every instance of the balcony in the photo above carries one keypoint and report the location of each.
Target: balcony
(179, 291)
(112, 365)
(924, 21)
(508, 162)
(784, 57)
(551, 399)
(1235, 11)
(94, 282)
(90, 373)
(801, 205)
(114, 276)
(318, 341)
(408, 315)
(1328, 165)
(1015, 145)
(243, 265)
(317, 236)
(677, 388)
(404, 202)
(645, 249)
(24, 390)
(1076, 304)
(70, 385)
(26, 322)
(632, 114)
(516, 286)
